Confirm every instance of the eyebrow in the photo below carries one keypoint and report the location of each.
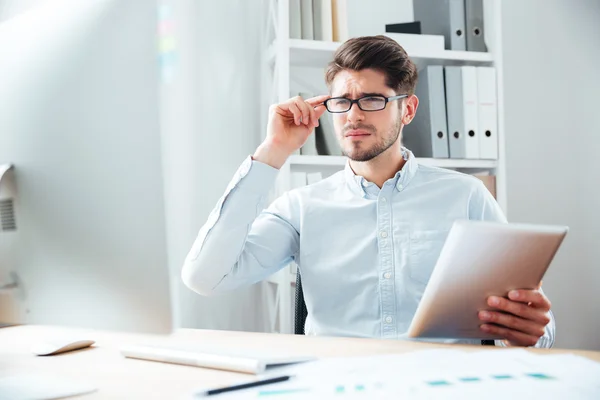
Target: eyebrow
(347, 95)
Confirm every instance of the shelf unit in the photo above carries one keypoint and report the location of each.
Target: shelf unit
(283, 53)
(340, 162)
(310, 53)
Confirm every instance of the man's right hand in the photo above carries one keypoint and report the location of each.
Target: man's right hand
(290, 124)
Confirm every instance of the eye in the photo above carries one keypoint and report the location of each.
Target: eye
(373, 100)
(340, 102)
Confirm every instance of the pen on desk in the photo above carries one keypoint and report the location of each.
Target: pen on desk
(243, 386)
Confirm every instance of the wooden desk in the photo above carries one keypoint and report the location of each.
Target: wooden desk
(118, 377)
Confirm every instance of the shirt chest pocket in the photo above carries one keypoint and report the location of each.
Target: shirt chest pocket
(425, 248)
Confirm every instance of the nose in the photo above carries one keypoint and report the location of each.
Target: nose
(355, 114)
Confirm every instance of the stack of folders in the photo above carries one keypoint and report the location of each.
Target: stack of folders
(318, 20)
(427, 134)
(459, 21)
(457, 114)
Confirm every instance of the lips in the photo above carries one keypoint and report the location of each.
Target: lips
(357, 133)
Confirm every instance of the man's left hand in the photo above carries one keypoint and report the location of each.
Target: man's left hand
(522, 319)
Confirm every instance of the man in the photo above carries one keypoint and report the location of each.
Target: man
(365, 239)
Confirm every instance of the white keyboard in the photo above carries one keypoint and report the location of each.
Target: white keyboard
(255, 362)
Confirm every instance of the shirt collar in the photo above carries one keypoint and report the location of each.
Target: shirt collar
(358, 184)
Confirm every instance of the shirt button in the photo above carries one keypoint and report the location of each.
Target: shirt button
(388, 320)
(383, 234)
(400, 187)
(383, 199)
(387, 275)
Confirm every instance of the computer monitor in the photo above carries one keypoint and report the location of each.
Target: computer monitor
(83, 234)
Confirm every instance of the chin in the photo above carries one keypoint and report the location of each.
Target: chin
(360, 155)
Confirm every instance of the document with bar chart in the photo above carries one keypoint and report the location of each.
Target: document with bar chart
(431, 374)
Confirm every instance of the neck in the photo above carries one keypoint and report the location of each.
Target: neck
(381, 168)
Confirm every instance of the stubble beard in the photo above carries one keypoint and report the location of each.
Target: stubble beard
(356, 153)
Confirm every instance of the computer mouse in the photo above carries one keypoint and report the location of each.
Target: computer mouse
(60, 345)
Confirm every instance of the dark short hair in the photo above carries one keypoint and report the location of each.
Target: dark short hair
(380, 53)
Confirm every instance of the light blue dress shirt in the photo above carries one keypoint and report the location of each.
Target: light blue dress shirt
(365, 254)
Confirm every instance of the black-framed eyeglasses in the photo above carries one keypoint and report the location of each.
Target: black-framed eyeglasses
(365, 103)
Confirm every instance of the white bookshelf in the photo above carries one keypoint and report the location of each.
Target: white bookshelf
(283, 54)
(340, 162)
(314, 53)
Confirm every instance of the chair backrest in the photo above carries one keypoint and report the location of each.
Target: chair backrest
(300, 307)
(301, 312)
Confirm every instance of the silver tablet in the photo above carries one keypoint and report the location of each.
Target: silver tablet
(480, 259)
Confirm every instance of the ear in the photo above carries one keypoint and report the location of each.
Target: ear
(412, 103)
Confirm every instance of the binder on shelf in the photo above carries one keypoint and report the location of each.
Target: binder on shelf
(339, 11)
(474, 25)
(326, 140)
(405, 27)
(461, 107)
(306, 18)
(323, 140)
(322, 20)
(445, 17)
(427, 134)
(487, 113)
(309, 148)
(295, 20)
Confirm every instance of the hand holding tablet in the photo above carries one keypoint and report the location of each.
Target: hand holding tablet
(481, 268)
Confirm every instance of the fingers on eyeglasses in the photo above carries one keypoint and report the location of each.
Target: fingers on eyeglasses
(317, 100)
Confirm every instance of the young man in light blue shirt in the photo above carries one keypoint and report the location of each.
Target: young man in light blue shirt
(367, 238)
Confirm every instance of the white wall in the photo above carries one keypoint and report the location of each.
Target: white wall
(10, 8)
(552, 115)
(210, 121)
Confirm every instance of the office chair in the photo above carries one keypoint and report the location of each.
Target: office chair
(301, 312)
